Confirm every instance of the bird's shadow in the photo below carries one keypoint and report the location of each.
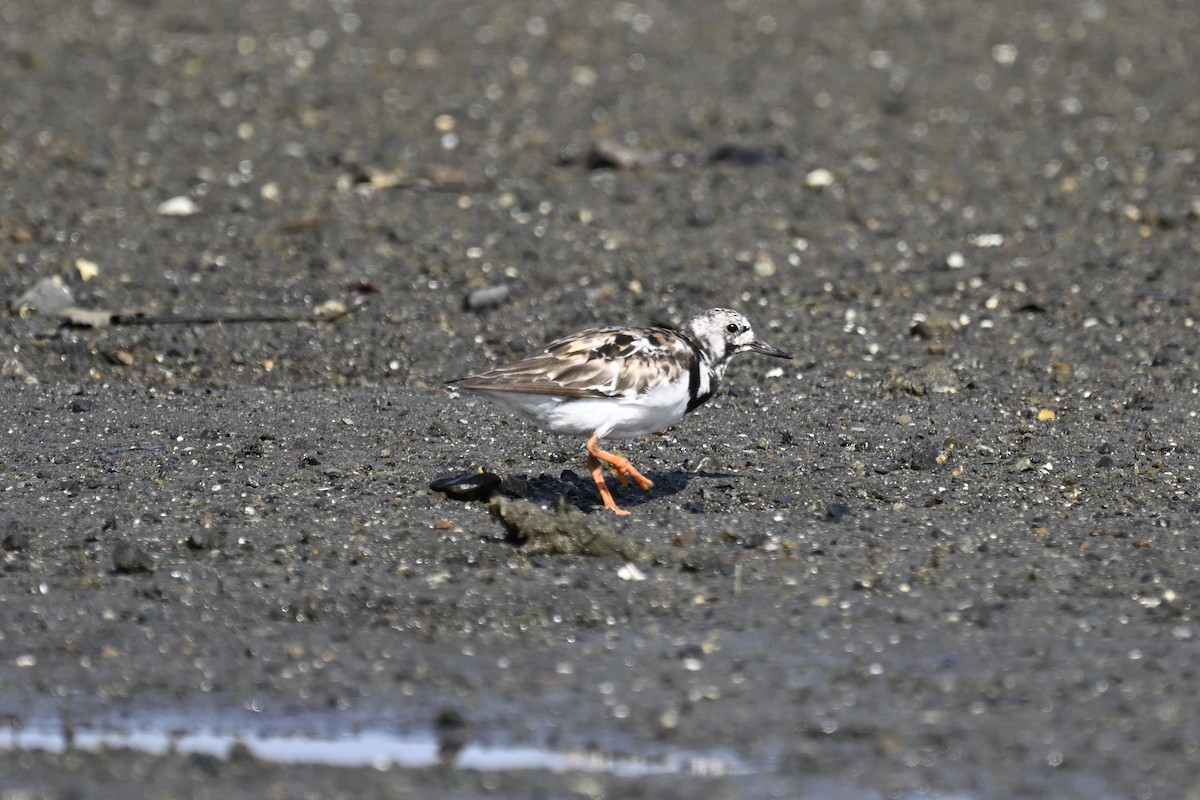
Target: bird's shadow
(579, 490)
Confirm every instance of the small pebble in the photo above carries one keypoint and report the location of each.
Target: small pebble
(86, 269)
(935, 378)
(330, 310)
(936, 325)
(611, 154)
(47, 296)
(14, 370)
(180, 206)
(819, 179)
(487, 297)
(628, 572)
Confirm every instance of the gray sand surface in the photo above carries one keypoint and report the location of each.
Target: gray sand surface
(949, 551)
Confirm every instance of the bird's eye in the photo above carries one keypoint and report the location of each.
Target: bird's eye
(732, 327)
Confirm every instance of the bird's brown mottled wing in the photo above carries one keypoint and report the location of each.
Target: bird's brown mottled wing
(605, 362)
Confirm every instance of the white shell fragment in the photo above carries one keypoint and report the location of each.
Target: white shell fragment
(180, 206)
(629, 572)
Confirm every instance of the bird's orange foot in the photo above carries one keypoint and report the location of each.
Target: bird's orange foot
(618, 464)
(625, 471)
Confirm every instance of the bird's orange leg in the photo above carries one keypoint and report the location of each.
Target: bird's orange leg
(617, 464)
(594, 467)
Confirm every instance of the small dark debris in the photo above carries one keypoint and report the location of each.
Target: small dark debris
(922, 458)
(513, 486)
(82, 405)
(468, 486)
(300, 225)
(130, 558)
(207, 539)
(836, 511)
(453, 733)
(745, 156)
(755, 540)
(15, 538)
(702, 560)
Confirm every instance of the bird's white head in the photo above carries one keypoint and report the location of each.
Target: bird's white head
(722, 333)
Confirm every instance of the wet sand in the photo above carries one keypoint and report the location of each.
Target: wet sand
(948, 551)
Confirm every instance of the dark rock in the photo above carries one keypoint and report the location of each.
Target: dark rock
(513, 486)
(468, 486)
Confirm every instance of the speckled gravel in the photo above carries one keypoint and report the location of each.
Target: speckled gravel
(948, 551)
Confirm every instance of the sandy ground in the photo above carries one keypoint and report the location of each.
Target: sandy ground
(949, 551)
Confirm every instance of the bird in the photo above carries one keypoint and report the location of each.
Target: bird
(621, 382)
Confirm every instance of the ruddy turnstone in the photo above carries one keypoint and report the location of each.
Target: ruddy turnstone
(621, 383)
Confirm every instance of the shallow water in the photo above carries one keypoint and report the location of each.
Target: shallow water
(376, 748)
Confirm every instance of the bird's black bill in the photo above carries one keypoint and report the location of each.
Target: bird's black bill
(767, 350)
